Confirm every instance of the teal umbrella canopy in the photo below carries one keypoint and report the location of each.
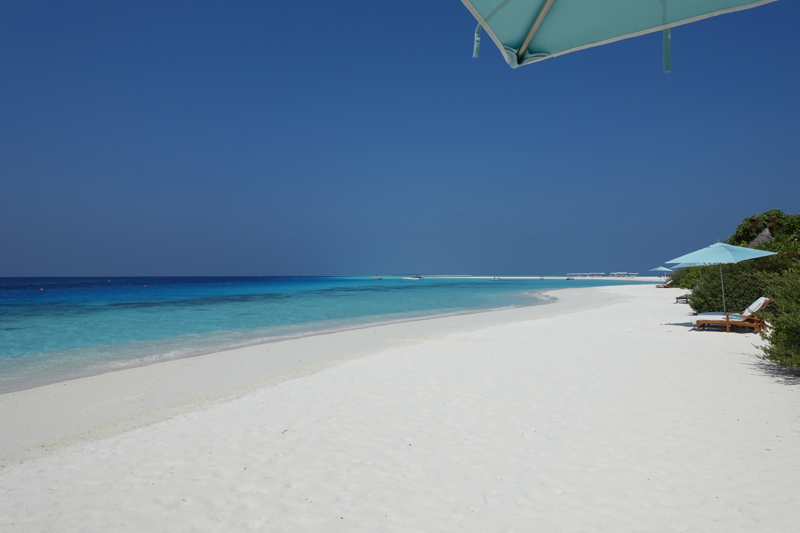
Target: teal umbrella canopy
(527, 31)
(660, 269)
(720, 253)
(687, 265)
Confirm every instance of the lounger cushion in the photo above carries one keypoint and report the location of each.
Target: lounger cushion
(755, 307)
(716, 316)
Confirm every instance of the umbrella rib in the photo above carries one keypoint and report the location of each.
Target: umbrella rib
(533, 30)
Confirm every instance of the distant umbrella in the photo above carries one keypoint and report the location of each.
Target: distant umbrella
(719, 254)
(661, 269)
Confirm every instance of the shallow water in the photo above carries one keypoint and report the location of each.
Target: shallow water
(59, 328)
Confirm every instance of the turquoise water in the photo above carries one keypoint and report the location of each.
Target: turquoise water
(53, 329)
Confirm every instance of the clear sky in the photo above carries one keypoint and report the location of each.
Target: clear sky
(360, 137)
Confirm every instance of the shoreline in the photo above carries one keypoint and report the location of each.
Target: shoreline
(49, 365)
(325, 329)
(605, 410)
(641, 279)
(103, 404)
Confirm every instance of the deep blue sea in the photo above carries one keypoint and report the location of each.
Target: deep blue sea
(52, 329)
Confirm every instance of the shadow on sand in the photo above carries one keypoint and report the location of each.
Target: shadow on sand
(781, 374)
(681, 324)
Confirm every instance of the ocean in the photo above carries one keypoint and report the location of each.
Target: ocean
(54, 329)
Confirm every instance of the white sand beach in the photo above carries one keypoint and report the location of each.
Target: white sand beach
(603, 411)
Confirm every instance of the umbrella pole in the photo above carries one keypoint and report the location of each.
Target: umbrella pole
(722, 283)
(534, 28)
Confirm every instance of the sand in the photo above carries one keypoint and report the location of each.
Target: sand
(604, 411)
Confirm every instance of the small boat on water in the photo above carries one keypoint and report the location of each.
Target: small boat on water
(378, 278)
(413, 277)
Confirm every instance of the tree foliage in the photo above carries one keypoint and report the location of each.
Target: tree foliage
(779, 224)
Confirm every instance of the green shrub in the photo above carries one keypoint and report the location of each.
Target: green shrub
(686, 278)
(783, 315)
(743, 286)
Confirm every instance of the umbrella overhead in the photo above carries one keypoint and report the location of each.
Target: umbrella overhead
(527, 31)
(661, 269)
(719, 254)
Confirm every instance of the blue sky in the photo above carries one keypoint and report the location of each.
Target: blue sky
(360, 137)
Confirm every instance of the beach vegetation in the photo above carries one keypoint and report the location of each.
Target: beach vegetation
(686, 278)
(776, 221)
(742, 287)
(783, 315)
(777, 277)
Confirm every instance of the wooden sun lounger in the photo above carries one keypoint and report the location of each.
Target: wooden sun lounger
(666, 285)
(684, 299)
(733, 322)
(744, 320)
